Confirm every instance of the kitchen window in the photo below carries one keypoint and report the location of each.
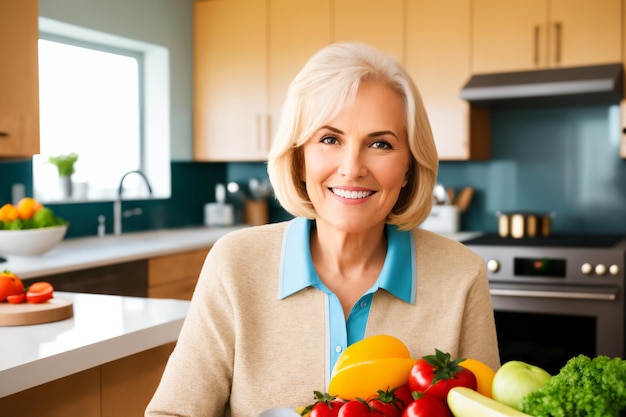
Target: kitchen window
(104, 98)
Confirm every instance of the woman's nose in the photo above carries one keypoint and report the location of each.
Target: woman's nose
(352, 164)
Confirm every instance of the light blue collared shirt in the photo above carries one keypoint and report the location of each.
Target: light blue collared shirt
(298, 272)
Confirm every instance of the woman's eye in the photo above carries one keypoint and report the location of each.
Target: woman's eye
(329, 140)
(381, 144)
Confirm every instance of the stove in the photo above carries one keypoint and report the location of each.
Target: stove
(542, 287)
(559, 259)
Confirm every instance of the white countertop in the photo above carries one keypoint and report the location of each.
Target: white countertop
(36, 354)
(89, 252)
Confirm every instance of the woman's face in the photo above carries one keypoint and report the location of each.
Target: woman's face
(356, 165)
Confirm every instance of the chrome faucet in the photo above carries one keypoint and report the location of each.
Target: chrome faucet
(117, 204)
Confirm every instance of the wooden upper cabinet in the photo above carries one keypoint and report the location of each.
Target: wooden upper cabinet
(538, 34)
(440, 69)
(230, 73)
(376, 22)
(590, 32)
(246, 54)
(298, 29)
(19, 78)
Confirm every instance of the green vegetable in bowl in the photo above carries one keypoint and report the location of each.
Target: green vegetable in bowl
(43, 217)
(584, 387)
(46, 218)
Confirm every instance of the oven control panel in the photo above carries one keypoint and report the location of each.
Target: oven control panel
(579, 266)
(552, 268)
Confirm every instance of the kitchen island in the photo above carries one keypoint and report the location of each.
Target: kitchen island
(107, 357)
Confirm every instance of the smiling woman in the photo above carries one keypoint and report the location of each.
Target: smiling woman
(99, 98)
(355, 161)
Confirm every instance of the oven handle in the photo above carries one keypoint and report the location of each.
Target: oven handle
(553, 294)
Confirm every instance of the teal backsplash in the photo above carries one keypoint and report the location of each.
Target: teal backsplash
(560, 160)
(193, 185)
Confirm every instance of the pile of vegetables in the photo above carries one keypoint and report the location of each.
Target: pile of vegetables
(28, 214)
(584, 387)
(376, 377)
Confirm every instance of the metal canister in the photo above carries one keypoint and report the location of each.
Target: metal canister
(520, 225)
(503, 225)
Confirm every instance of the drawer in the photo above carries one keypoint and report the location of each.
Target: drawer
(169, 275)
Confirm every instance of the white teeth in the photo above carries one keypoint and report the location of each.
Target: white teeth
(351, 194)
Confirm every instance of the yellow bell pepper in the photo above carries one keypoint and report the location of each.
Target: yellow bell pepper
(375, 363)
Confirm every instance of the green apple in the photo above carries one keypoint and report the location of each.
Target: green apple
(516, 379)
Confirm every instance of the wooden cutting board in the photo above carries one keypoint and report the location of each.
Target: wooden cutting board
(22, 314)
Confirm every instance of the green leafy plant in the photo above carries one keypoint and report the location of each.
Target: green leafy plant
(584, 387)
(64, 163)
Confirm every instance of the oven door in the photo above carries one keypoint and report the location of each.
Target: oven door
(545, 325)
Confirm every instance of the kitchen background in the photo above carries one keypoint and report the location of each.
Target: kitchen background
(563, 160)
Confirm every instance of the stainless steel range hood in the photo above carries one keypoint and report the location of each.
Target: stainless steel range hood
(598, 84)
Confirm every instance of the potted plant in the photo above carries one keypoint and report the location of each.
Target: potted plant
(64, 163)
(65, 166)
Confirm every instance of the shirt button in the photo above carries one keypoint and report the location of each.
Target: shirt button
(338, 349)
(363, 304)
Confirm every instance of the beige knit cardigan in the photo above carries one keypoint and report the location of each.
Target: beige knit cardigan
(242, 350)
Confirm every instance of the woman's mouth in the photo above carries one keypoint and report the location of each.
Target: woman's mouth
(351, 194)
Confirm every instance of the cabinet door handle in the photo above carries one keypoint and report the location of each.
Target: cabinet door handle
(268, 133)
(537, 44)
(263, 132)
(259, 131)
(557, 42)
(4, 134)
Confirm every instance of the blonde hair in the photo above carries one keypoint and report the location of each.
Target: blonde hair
(317, 94)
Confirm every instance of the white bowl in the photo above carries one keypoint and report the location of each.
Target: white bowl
(30, 242)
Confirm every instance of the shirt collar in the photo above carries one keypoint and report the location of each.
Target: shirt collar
(297, 271)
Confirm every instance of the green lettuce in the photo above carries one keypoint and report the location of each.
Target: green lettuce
(584, 387)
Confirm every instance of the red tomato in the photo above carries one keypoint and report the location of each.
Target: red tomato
(17, 298)
(437, 374)
(426, 406)
(403, 393)
(355, 408)
(327, 409)
(10, 284)
(385, 403)
(39, 292)
(325, 405)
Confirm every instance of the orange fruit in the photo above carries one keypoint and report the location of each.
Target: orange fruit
(8, 213)
(483, 373)
(27, 207)
(10, 284)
